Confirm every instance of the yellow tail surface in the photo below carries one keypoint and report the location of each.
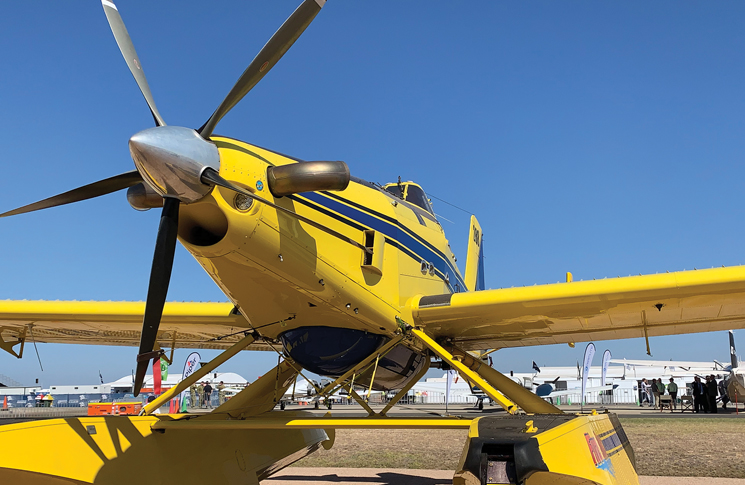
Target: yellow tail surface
(475, 259)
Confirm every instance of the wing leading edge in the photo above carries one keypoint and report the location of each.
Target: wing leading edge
(617, 308)
(192, 324)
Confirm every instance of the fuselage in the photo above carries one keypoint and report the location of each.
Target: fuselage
(284, 275)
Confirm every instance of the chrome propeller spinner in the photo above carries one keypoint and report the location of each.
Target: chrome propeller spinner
(171, 160)
(179, 164)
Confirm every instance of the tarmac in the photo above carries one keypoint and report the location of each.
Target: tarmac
(468, 411)
(373, 476)
(376, 476)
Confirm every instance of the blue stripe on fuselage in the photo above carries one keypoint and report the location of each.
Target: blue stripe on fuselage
(392, 231)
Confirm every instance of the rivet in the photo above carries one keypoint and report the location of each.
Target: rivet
(281, 258)
(349, 305)
(321, 282)
(356, 310)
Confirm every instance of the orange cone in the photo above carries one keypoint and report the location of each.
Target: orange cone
(5, 403)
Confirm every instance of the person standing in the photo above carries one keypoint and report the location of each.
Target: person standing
(656, 393)
(672, 389)
(193, 396)
(711, 391)
(200, 395)
(698, 395)
(208, 395)
(646, 393)
(221, 393)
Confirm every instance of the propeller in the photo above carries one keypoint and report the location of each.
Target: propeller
(272, 52)
(160, 277)
(96, 189)
(130, 56)
(181, 165)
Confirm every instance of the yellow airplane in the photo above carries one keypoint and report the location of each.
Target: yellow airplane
(344, 278)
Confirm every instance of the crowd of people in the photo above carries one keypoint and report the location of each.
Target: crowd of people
(200, 395)
(704, 393)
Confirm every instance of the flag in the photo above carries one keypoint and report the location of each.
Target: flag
(163, 368)
(448, 383)
(606, 361)
(156, 376)
(535, 367)
(589, 354)
(190, 366)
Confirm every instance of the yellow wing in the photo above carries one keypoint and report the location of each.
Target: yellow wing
(192, 325)
(662, 304)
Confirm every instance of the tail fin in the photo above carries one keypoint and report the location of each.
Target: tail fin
(732, 353)
(475, 258)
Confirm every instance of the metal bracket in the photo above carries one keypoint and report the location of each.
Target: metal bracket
(646, 334)
(8, 346)
(173, 348)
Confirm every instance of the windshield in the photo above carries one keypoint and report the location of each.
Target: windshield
(395, 190)
(416, 196)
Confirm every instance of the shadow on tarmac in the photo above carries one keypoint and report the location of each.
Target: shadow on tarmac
(386, 478)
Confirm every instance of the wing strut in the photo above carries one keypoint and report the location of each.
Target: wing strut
(500, 388)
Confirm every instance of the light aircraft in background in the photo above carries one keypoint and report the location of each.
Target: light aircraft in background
(344, 278)
(734, 383)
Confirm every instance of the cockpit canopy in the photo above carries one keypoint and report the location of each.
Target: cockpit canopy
(410, 192)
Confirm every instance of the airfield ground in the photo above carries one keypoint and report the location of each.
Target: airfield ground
(665, 444)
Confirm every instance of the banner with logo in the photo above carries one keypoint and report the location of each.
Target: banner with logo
(606, 361)
(190, 366)
(589, 354)
(448, 383)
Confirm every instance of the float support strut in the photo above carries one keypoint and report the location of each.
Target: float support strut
(359, 399)
(198, 374)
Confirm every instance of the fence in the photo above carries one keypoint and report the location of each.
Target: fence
(435, 397)
(65, 400)
(39, 413)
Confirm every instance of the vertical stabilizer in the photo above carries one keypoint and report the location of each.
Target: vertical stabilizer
(732, 352)
(475, 258)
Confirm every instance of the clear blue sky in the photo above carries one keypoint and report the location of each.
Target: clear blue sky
(599, 138)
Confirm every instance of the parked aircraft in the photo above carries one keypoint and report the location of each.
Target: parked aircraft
(345, 278)
(735, 381)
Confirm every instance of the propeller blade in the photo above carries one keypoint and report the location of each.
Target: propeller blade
(96, 189)
(160, 277)
(272, 52)
(130, 56)
(211, 177)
